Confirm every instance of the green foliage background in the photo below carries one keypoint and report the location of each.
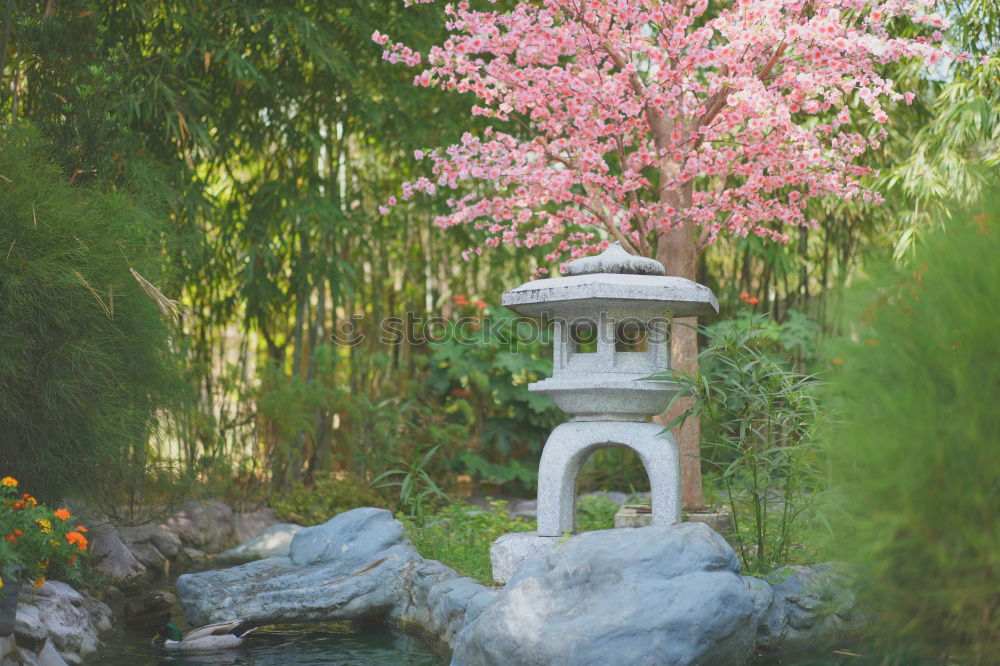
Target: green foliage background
(915, 455)
(267, 134)
(85, 360)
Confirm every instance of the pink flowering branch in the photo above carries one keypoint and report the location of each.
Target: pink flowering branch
(639, 116)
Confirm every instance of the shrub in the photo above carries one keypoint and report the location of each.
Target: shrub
(312, 505)
(759, 421)
(85, 364)
(482, 370)
(915, 458)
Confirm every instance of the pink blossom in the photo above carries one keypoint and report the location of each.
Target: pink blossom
(742, 114)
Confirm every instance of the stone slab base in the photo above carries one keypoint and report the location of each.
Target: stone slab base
(640, 515)
(634, 515)
(510, 551)
(720, 520)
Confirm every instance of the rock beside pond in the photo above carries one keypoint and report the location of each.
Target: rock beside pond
(57, 622)
(275, 541)
(808, 606)
(195, 529)
(358, 565)
(656, 595)
(251, 523)
(510, 551)
(438, 602)
(119, 562)
(209, 525)
(347, 568)
(153, 545)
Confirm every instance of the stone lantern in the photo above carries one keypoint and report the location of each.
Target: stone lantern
(611, 316)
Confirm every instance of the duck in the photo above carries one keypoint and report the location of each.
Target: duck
(219, 636)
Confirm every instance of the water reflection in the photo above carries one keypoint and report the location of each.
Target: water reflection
(339, 643)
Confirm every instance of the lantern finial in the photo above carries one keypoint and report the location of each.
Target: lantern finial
(615, 260)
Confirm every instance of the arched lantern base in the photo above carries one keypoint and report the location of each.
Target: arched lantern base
(569, 446)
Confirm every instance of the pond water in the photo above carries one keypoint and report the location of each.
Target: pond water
(333, 643)
(851, 655)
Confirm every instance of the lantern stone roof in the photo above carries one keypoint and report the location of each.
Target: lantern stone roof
(612, 278)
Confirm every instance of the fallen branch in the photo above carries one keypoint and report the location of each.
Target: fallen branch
(356, 573)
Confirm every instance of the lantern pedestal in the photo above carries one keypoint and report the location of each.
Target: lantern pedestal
(569, 446)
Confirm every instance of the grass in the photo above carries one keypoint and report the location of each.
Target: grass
(459, 535)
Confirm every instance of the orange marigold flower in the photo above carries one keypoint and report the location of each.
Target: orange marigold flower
(9, 481)
(81, 528)
(29, 501)
(77, 539)
(753, 300)
(744, 295)
(18, 532)
(39, 582)
(11, 537)
(18, 505)
(62, 514)
(837, 361)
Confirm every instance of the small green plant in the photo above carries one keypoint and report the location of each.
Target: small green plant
(417, 490)
(459, 535)
(328, 496)
(37, 542)
(595, 513)
(760, 418)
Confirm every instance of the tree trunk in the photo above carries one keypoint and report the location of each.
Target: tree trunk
(677, 251)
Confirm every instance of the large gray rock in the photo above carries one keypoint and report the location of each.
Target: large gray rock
(7, 646)
(438, 602)
(653, 595)
(357, 565)
(49, 656)
(807, 607)
(275, 541)
(510, 551)
(153, 545)
(118, 560)
(207, 525)
(56, 615)
(28, 628)
(251, 523)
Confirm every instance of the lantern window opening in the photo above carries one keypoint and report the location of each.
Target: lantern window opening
(583, 337)
(631, 336)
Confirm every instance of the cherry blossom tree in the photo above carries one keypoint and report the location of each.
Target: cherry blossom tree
(662, 123)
